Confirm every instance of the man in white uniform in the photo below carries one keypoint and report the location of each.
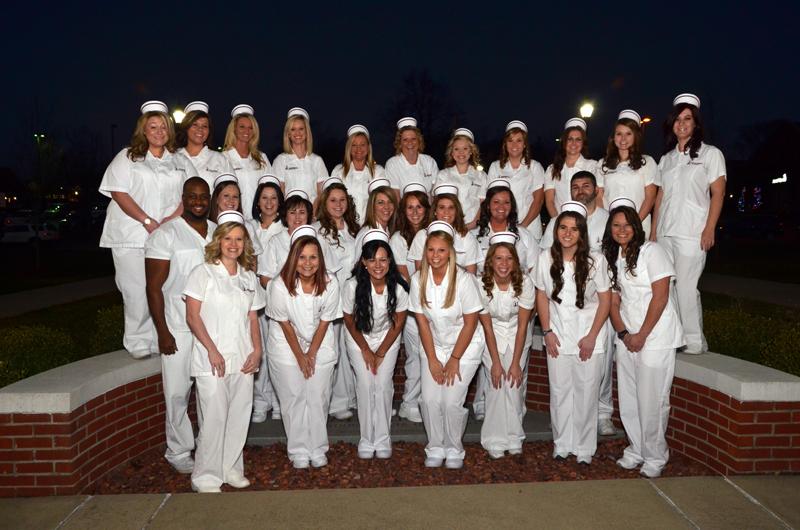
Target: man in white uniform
(171, 252)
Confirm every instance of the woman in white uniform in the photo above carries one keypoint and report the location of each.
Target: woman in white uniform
(374, 304)
(226, 196)
(462, 160)
(447, 208)
(144, 182)
(241, 148)
(410, 164)
(192, 138)
(525, 174)
(358, 168)
(222, 297)
(573, 146)
(382, 210)
(688, 205)
(303, 301)
(265, 225)
(626, 171)
(648, 333)
(337, 229)
(508, 298)
(415, 215)
(573, 297)
(446, 302)
(298, 167)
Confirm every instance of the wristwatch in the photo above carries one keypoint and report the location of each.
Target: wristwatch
(147, 221)
(621, 334)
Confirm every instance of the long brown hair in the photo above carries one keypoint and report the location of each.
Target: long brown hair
(458, 223)
(403, 225)
(635, 158)
(370, 217)
(583, 261)
(671, 141)
(526, 151)
(561, 153)
(213, 253)
(488, 270)
(611, 247)
(182, 130)
(289, 271)
(326, 223)
(139, 144)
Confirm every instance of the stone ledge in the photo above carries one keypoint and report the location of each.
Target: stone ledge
(65, 388)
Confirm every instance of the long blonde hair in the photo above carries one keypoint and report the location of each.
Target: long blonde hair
(348, 161)
(139, 143)
(450, 296)
(246, 259)
(287, 143)
(474, 155)
(252, 145)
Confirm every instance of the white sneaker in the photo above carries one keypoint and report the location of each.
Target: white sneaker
(494, 454)
(649, 472)
(237, 482)
(383, 454)
(205, 490)
(343, 414)
(300, 463)
(479, 413)
(410, 413)
(185, 466)
(515, 451)
(433, 461)
(586, 460)
(276, 414)
(319, 461)
(140, 354)
(259, 416)
(605, 427)
(366, 455)
(628, 463)
(454, 463)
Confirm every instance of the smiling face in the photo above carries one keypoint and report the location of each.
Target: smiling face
(574, 143)
(409, 143)
(359, 148)
(503, 264)
(583, 191)
(623, 138)
(378, 265)
(196, 200)
(296, 216)
(437, 253)
(445, 210)
(567, 233)
(228, 198)
(198, 132)
(500, 206)
(336, 205)
(515, 145)
(268, 203)
(684, 125)
(156, 132)
(232, 244)
(243, 130)
(308, 262)
(462, 151)
(297, 133)
(384, 209)
(621, 230)
(415, 212)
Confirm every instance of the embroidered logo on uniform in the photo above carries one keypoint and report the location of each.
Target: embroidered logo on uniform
(291, 167)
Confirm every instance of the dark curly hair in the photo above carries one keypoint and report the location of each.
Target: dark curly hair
(483, 221)
(362, 308)
(583, 260)
(611, 247)
(327, 226)
(407, 231)
(488, 270)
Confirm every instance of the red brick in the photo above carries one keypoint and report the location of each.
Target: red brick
(61, 417)
(16, 456)
(795, 441)
(64, 467)
(52, 428)
(685, 416)
(719, 419)
(696, 454)
(689, 396)
(743, 466)
(719, 443)
(772, 465)
(737, 415)
(96, 402)
(787, 405)
(153, 379)
(677, 425)
(707, 426)
(796, 416)
(31, 418)
(5, 418)
(699, 389)
(6, 467)
(84, 419)
(750, 453)
(773, 441)
(696, 432)
(111, 395)
(56, 454)
(751, 428)
(38, 491)
(16, 430)
(685, 438)
(104, 409)
(6, 443)
(678, 381)
(55, 480)
(735, 440)
(796, 466)
(785, 453)
(17, 480)
(68, 490)
(135, 385)
(774, 417)
(718, 396)
(787, 428)
(63, 441)
(708, 403)
(753, 405)
(32, 443)
(35, 467)
(697, 410)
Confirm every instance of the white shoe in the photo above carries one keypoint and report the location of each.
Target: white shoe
(479, 414)
(605, 427)
(237, 482)
(259, 416)
(383, 454)
(649, 472)
(454, 463)
(205, 490)
(300, 463)
(319, 461)
(410, 413)
(276, 414)
(343, 414)
(586, 460)
(433, 461)
(515, 451)
(628, 463)
(185, 466)
(140, 354)
(494, 454)
(366, 455)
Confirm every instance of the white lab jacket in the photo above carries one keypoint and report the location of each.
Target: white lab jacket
(300, 173)
(400, 172)
(209, 165)
(471, 188)
(247, 171)
(524, 180)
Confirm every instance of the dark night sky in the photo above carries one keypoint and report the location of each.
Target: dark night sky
(93, 65)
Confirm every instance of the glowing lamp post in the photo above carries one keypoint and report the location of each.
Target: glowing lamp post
(178, 116)
(586, 110)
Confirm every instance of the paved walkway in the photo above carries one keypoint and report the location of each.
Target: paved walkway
(692, 502)
(787, 294)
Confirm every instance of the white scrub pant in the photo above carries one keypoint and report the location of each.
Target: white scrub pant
(343, 394)
(644, 380)
(139, 338)
(413, 348)
(605, 406)
(443, 412)
(226, 403)
(264, 397)
(177, 385)
(481, 386)
(689, 260)
(505, 409)
(304, 408)
(375, 393)
(574, 390)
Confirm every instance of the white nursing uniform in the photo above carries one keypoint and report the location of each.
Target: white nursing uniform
(209, 164)
(304, 402)
(155, 184)
(277, 252)
(626, 182)
(527, 247)
(524, 180)
(442, 406)
(562, 186)
(595, 225)
(375, 391)
(300, 173)
(468, 252)
(644, 379)
(184, 248)
(505, 406)
(471, 188)
(686, 200)
(574, 384)
(247, 171)
(356, 183)
(226, 401)
(400, 173)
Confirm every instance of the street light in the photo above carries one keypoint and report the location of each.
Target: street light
(178, 116)
(39, 137)
(587, 109)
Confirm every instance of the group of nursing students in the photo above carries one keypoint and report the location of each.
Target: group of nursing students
(280, 287)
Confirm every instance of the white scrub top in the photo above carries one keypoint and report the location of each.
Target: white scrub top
(471, 188)
(209, 165)
(527, 247)
(400, 251)
(380, 317)
(569, 323)
(468, 252)
(626, 182)
(400, 172)
(686, 183)
(344, 250)
(278, 251)
(155, 184)
(524, 180)
(504, 308)
(263, 236)
(595, 225)
(356, 183)
(180, 244)
(636, 292)
(563, 185)
(446, 323)
(304, 312)
(226, 302)
(300, 173)
(248, 172)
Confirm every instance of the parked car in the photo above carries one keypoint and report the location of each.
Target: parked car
(28, 233)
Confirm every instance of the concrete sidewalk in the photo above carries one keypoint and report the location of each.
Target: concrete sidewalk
(786, 294)
(692, 502)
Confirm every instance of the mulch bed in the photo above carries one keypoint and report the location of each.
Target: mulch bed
(268, 468)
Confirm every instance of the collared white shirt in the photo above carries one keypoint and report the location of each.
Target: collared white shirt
(504, 308)
(626, 182)
(357, 183)
(248, 172)
(471, 188)
(300, 173)
(155, 184)
(263, 236)
(278, 251)
(380, 316)
(526, 245)
(595, 224)
(524, 181)
(225, 304)
(563, 185)
(468, 252)
(209, 165)
(180, 244)
(400, 173)
(400, 251)
(344, 249)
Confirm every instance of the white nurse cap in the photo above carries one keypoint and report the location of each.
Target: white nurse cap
(498, 183)
(378, 183)
(621, 201)
(503, 237)
(631, 115)
(332, 180)
(691, 99)
(154, 106)
(202, 106)
(225, 177)
(297, 192)
(269, 178)
(357, 128)
(574, 206)
(516, 124)
(375, 234)
(298, 111)
(464, 132)
(408, 121)
(445, 189)
(242, 109)
(303, 231)
(230, 216)
(441, 226)
(575, 122)
(414, 186)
